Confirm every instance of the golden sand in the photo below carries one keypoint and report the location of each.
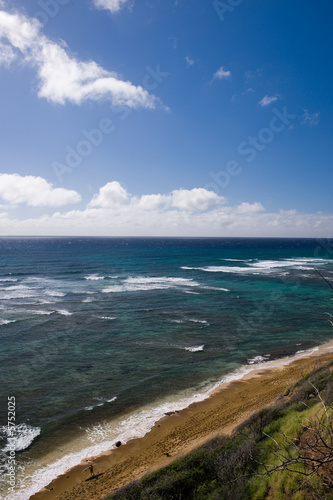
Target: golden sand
(177, 434)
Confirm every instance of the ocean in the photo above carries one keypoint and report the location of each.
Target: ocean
(100, 337)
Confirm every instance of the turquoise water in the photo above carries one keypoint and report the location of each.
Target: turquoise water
(94, 330)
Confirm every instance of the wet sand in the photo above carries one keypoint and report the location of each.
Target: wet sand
(181, 432)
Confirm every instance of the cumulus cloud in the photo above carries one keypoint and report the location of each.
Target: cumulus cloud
(267, 100)
(112, 5)
(152, 201)
(62, 77)
(109, 196)
(34, 191)
(222, 74)
(198, 199)
(113, 195)
(114, 212)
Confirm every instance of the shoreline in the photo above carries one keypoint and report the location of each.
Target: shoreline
(224, 407)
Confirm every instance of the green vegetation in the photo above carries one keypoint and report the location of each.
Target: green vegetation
(287, 437)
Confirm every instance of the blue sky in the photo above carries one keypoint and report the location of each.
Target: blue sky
(186, 117)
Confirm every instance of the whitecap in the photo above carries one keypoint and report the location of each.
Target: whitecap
(110, 318)
(17, 292)
(263, 266)
(216, 288)
(201, 321)
(54, 293)
(111, 400)
(64, 312)
(19, 436)
(258, 359)
(195, 348)
(6, 321)
(137, 284)
(94, 277)
(101, 402)
(37, 312)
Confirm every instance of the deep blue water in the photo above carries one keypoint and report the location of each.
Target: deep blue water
(91, 329)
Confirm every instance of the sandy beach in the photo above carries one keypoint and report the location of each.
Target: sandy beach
(181, 432)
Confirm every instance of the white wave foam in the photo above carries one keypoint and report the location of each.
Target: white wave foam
(110, 318)
(87, 300)
(102, 401)
(111, 400)
(258, 359)
(190, 320)
(17, 292)
(150, 283)
(19, 436)
(195, 348)
(94, 277)
(216, 288)
(202, 321)
(54, 293)
(8, 280)
(262, 266)
(6, 321)
(38, 312)
(64, 312)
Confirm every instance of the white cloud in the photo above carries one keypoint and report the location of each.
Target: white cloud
(247, 208)
(109, 196)
(151, 201)
(267, 100)
(62, 77)
(311, 119)
(189, 61)
(198, 199)
(222, 74)
(34, 191)
(112, 5)
(196, 212)
(113, 195)
(7, 54)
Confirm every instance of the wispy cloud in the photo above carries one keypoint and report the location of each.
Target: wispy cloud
(267, 100)
(222, 74)
(189, 61)
(310, 119)
(34, 191)
(112, 5)
(62, 77)
(174, 41)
